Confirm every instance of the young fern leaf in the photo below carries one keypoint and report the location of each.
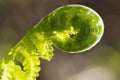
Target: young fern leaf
(71, 28)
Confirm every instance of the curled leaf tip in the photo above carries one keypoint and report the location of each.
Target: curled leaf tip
(70, 28)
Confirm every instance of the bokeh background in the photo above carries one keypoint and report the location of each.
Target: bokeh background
(100, 63)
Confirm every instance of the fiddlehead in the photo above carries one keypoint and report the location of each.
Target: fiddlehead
(71, 28)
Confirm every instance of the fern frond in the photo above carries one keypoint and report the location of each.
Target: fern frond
(71, 28)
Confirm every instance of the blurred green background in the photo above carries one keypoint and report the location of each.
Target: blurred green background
(100, 63)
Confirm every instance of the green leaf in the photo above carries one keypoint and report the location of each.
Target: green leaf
(70, 28)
